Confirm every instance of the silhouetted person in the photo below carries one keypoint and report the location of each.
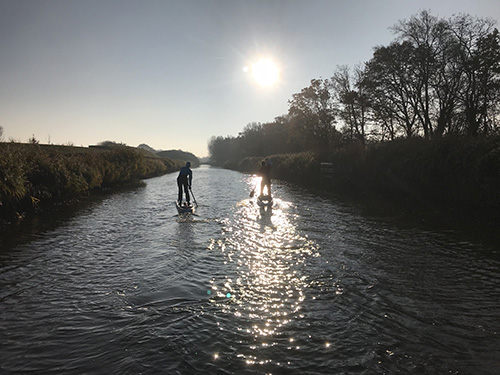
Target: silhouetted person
(184, 181)
(265, 173)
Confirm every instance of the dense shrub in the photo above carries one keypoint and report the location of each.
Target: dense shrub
(455, 175)
(300, 168)
(32, 175)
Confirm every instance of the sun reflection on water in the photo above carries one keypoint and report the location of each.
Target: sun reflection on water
(269, 290)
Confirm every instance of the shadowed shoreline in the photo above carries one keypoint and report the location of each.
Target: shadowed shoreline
(34, 177)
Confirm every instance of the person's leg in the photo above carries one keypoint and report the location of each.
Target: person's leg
(263, 185)
(179, 197)
(186, 191)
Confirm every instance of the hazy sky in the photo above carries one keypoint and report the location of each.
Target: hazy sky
(171, 73)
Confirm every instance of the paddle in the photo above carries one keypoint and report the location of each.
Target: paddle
(252, 193)
(194, 198)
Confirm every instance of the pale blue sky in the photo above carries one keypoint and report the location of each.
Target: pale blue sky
(170, 73)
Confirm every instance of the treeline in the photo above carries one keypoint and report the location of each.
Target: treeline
(439, 77)
(32, 175)
(416, 125)
(454, 177)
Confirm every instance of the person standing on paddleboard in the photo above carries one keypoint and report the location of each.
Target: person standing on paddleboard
(184, 181)
(265, 173)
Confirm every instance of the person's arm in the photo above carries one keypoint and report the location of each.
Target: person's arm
(190, 178)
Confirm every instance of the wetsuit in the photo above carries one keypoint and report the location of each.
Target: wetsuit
(184, 182)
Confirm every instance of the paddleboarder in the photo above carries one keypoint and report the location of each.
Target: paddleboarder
(265, 173)
(184, 181)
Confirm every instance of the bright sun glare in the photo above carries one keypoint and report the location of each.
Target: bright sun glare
(265, 72)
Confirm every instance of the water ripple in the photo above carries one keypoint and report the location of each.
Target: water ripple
(309, 286)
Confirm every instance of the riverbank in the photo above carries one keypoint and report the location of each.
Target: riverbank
(452, 179)
(33, 176)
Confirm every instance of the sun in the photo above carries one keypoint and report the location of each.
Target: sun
(265, 72)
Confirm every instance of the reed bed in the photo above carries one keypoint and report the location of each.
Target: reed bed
(33, 175)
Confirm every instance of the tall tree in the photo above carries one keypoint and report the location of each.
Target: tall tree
(428, 35)
(221, 149)
(457, 69)
(252, 140)
(276, 137)
(480, 68)
(313, 114)
(488, 53)
(353, 102)
(392, 86)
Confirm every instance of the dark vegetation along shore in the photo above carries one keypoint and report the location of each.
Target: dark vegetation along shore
(453, 179)
(416, 128)
(34, 176)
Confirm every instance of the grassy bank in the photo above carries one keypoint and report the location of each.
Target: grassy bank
(456, 177)
(32, 176)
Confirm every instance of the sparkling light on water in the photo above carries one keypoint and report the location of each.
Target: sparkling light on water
(268, 252)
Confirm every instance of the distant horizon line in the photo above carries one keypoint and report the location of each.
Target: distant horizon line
(72, 144)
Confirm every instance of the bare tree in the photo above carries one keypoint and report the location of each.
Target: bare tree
(353, 103)
(428, 35)
(479, 59)
(392, 86)
(458, 67)
(438, 76)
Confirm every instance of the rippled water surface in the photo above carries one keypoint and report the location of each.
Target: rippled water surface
(125, 286)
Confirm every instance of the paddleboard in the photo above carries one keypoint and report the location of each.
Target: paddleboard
(265, 201)
(185, 208)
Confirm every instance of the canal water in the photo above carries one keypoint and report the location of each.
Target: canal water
(311, 286)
